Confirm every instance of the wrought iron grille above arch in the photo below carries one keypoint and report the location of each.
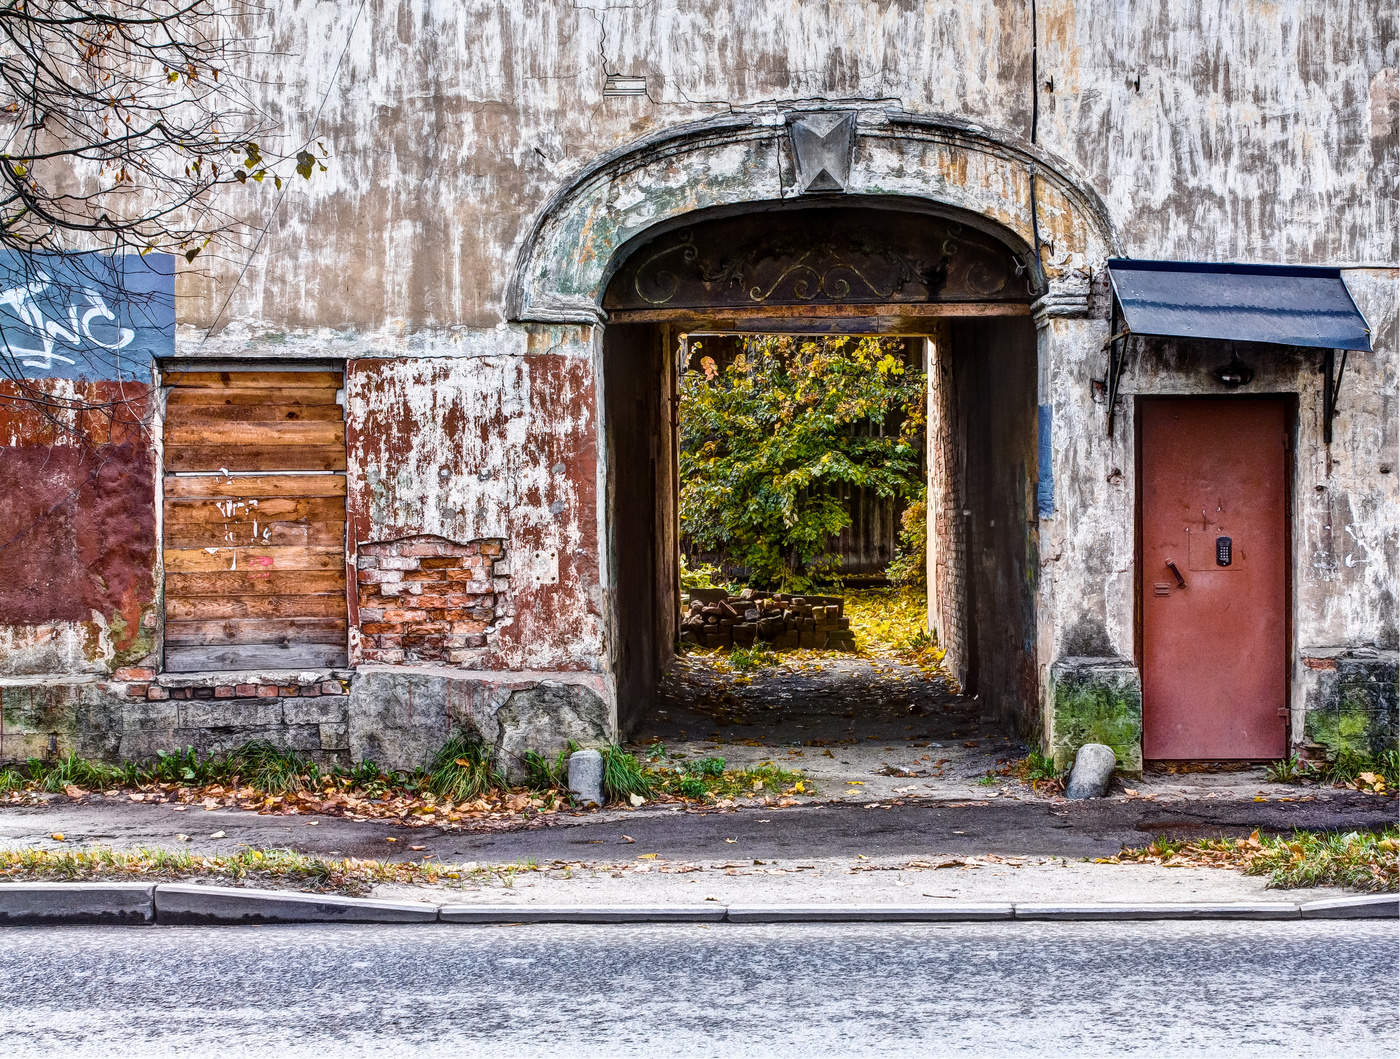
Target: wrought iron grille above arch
(819, 256)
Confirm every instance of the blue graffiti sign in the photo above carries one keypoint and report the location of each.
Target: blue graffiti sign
(85, 316)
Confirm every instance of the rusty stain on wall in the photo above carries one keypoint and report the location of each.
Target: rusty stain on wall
(77, 527)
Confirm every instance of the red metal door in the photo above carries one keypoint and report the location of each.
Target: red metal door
(1214, 577)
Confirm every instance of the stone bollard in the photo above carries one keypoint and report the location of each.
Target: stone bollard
(1093, 768)
(586, 777)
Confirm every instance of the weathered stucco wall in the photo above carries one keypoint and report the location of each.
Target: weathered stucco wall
(1221, 130)
(499, 447)
(479, 186)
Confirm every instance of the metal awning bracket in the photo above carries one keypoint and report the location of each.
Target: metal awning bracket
(1117, 346)
(1331, 387)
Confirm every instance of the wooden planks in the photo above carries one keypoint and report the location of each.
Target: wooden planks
(253, 631)
(182, 487)
(254, 554)
(214, 558)
(257, 582)
(291, 456)
(253, 656)
(264, 509)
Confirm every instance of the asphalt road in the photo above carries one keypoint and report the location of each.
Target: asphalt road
(1005, 989)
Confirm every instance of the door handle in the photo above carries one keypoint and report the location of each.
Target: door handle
(1176, 573)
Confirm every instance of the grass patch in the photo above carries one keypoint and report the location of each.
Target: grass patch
(707, 778)
(283, 866)
(743, 659)
(887, 623)
(1376, 774)
(544, 774)
(623, 776)
(464, 770)
(73, 771)
(1358, 860)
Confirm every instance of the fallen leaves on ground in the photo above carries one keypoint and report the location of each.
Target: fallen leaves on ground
(333, 798)
(1361, 860)
(279, 866)
(890, 626)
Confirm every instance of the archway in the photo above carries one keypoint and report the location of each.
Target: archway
(942, 277)
(992, 183)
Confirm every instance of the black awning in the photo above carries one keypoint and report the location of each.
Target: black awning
(1291, 305)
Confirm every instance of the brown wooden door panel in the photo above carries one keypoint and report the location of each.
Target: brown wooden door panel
(224, 412)
(254, 534)
(254, 630)
(1214, 627)
(218, 381)
(237, 396)
(255, 457)
(256, 583)
(269, 432)
(226, 557)
(254, 556)
(204, 486)
(262, 509)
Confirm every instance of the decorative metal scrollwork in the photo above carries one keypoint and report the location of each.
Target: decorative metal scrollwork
(818, 256)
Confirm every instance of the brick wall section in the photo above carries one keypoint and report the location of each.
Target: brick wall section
(428, 599)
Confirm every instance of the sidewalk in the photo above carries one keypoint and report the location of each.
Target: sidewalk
(927, 853)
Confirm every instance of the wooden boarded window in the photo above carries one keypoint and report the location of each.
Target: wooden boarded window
(254, 536)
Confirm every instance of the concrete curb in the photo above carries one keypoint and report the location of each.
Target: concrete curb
(182, 904)
(871, 914)
(140, 904)
(77, 904)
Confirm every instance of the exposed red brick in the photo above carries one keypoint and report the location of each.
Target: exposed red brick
(224, 691)
(244, 691)
(267, 691)
(156, 693)
(445, 598)
(1320, 663)
(423, 548)
(134, 673)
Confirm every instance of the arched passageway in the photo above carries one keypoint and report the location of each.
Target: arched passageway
(954, 284)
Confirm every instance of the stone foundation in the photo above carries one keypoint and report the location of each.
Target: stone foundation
(400, 717)
(1350, 704)
(126, 721)
(1096, 700)
(395, 716)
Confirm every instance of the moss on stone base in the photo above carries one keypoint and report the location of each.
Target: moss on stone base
(1096, 701)
(1352, 709)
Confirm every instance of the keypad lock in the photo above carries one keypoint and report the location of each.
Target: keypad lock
(1224, 551)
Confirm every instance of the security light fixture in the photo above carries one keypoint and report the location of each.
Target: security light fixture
(622, 85)
(1235, 373)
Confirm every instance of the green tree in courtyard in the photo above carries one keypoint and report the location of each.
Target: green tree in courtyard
(768, 441)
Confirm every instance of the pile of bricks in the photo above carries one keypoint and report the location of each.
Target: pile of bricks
(427, 599)
(780, 620)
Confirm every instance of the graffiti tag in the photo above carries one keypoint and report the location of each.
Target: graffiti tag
(35, 349)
